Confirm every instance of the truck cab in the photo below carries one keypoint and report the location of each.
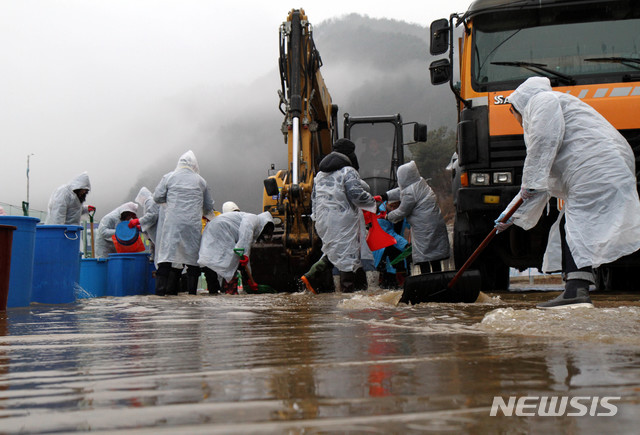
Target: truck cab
(589, 49)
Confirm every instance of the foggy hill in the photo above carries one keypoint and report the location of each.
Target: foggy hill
(370, 66)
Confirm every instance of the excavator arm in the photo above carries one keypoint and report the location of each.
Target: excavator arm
(308, 126)
(309, 129)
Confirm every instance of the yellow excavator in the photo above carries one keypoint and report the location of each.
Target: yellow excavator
(310, 127)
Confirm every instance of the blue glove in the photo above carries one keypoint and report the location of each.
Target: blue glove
(528, 193)
(502, 226)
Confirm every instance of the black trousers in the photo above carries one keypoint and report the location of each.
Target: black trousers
(569, 267)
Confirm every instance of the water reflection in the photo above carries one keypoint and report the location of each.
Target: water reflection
(297, 363)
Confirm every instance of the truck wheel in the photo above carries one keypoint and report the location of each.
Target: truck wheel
(495, 274)
(610, 278)
(603, 279)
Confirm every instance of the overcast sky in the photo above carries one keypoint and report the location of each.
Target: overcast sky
(88, 85)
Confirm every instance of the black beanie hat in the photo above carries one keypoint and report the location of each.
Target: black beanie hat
(346, 147)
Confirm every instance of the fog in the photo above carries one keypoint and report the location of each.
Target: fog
(121, 88)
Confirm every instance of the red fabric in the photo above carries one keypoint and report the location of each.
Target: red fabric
(138, 246)
(379, 238)
(368, 216)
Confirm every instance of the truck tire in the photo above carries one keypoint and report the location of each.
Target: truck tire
(610, 278)
(495, 274)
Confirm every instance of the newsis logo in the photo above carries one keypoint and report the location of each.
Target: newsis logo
(555, 406)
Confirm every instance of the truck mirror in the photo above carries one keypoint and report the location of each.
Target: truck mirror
(271, 186)
(420, 133)
(440, 71)
(439, 40)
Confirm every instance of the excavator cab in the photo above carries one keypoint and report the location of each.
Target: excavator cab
(380, 145)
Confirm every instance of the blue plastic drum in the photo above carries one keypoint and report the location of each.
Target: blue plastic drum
(132, 268)
(120, 270)
(24, 244)
(93, 278)
(56, 264)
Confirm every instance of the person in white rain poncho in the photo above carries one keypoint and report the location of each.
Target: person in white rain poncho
(66, 202)
(575, 154)
(149, 221)
(419, 205)
(230, 206)
(227, 241)
(338, 196)
(184, 199)
(107, 228)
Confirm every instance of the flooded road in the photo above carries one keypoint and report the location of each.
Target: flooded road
(331, 363)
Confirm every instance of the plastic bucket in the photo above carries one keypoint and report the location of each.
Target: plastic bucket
(126, 236)
(6, 240)
(56, 264)
(134, 274)
(24, 244)
(93, 278)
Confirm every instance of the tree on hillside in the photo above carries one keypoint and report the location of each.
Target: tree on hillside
(432, 159)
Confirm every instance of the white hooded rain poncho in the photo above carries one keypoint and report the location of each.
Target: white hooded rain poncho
(184, 198)
(230, 206)
(149, 220)
(575, 154)
(107, 229)
(337, 198)
(226, 232)
(64, 206)
(419, 205)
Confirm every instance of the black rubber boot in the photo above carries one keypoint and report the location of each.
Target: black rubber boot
(173, 283)
(315, 280)
(347, 282)
(213, 285)
(575, 294)
(361, 280)
(161, 284)
(192, 284)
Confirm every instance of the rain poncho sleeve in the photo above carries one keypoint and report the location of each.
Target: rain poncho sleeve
(149, 221)
(387, 226)
(64, 206)
(246, 233)
(575, 154)
(419, 205)
(184, 198)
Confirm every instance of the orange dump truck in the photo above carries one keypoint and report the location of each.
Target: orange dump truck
(590, 49)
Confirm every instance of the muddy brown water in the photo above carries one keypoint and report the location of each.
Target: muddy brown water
(331, 363)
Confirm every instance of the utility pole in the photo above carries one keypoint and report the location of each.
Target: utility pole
(25, 205)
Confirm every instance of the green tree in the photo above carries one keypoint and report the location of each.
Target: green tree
(432, 159)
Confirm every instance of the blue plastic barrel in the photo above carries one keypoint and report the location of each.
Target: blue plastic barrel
(134, 274)
(6, 241)
(56, 264)
(24, 244)
(119, 272)
(93, 278)
(151, 278)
